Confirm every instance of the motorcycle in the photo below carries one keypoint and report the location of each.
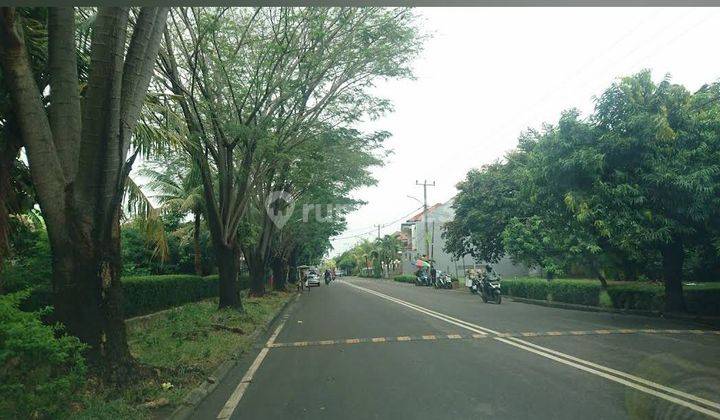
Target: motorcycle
(489, 289)
(443, 281)
(422, 280)
(474, 286)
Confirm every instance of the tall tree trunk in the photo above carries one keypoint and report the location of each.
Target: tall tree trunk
(279, 268)
(258, 273)
(88, 296)
(673, 255)
(8, 153)
(196, 244)
(78, 163)
(228, 259)
(292, 277)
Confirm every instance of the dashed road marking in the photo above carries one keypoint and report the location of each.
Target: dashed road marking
(632, 381)
(475, 336)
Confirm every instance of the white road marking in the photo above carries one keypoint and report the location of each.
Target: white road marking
(443, 317)
(239, 391)
(650, 391)
(596, 369)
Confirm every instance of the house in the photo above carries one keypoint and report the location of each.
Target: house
(431, 244)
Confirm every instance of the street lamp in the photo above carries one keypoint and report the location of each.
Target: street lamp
(410, 196)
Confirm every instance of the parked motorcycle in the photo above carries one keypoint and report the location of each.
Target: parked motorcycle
(422, 279)
(443, 281)
(474, 286)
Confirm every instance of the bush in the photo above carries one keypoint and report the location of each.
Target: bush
(405, 278)
(148, 294)
(636, 296)
(703, 299)
(581, 292)
(42, 370)
(525, 288)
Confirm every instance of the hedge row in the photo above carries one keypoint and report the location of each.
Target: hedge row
(405, 278)
(700, 299)
(146, 294)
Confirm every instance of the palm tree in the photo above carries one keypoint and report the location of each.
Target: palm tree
(180, 189)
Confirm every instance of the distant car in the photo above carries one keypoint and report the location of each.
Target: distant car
(339, 273)
(313, 279)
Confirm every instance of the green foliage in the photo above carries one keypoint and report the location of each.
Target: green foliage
(42, 369)
(582, 292)
(405, 278)
(702, 299)
(631, 191)
(525, 288)
(30, 268)
(636, 296)
(147, 294)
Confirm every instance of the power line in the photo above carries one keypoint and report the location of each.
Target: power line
(375, 228)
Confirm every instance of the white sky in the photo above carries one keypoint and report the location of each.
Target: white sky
(489, 73)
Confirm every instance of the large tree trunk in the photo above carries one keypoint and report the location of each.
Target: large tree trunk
(78, 163)
(258, 273)
(88, 296)
(292, 277)
(196, 244)
(673, 255)
(279, 268)
(8, 153)
(228, 260)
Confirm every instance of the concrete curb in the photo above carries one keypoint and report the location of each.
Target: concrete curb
(655, 314)
(198, 394)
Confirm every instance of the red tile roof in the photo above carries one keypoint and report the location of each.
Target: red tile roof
(418, 216)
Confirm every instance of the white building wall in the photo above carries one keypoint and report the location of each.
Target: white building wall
(444, 261)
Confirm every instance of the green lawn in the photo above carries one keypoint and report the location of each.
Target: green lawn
(181, 347)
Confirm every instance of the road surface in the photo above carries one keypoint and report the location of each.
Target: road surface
(375, 349)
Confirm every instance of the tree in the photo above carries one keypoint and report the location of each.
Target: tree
(255, 84)
(319, 176)
(487, 199)
(177, 181)
(660, 182)
(77, 149)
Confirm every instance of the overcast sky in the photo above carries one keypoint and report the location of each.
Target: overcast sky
(489, 73)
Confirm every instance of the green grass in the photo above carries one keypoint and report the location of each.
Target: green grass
(181, 347)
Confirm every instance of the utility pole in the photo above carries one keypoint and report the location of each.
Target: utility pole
(425, 208)
(378, 226)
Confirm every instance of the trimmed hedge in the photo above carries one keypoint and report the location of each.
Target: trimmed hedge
(703, 299)
(405, 278)
(525, 288)
(146, 294)
(582, 292)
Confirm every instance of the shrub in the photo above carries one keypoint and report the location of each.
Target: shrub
(525, 288)
(41, 370)
(703, 299)
(636, 296)
(581, 292)
(147, 294)
(405, 278)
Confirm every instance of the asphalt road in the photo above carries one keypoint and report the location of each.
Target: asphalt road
(373, 349)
